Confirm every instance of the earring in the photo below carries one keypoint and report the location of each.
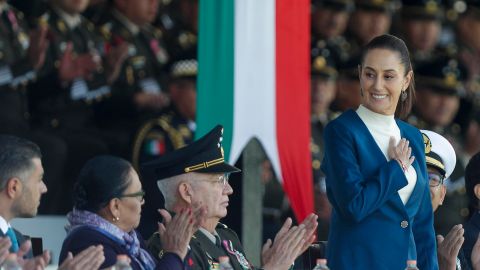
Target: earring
(115, 219)
(403, 96)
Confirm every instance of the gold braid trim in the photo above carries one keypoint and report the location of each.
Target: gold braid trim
(434, 162)
(204, 165)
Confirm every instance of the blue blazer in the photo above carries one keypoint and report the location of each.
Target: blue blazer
(370, 226)
(81, 238)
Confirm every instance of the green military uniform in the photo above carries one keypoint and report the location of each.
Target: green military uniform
(16, 73)
(338, 48)
(445, 76)
(204, 252)
(69, 103)
(142, 71)
(65, 108)
(165, 133)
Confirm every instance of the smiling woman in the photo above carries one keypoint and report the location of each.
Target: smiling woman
(375, 170)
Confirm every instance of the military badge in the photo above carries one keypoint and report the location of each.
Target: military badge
(159, 52)
(227, 244)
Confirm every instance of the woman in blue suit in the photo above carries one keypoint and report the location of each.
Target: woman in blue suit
(375, 171)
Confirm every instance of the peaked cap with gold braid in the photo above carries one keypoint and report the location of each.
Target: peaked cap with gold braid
(203, 156)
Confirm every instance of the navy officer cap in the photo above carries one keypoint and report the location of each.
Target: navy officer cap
(203, 156)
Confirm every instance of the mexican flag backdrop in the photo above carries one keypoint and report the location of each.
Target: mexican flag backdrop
(254, 79)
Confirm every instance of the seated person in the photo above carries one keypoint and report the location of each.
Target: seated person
(108, 197)
(197, 173)
(441, 159)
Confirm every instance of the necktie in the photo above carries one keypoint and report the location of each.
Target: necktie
(13, 239)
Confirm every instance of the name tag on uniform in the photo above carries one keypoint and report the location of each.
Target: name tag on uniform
(6, 75)
(150, 85)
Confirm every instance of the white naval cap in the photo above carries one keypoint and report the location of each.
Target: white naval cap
(439, 152)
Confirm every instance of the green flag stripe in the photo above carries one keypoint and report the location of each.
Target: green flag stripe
(216, 72)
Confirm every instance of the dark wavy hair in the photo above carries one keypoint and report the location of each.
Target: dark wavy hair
(395, 44)
(101, 179)
(472, 178)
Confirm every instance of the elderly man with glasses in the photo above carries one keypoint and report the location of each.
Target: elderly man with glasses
(198, 174)
(441, 159)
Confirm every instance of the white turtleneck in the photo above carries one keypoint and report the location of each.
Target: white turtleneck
(382, 127)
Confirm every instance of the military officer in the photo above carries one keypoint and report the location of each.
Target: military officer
(439, 86)
(371, 18)
(139, 91)
(21, 56)
(329, 22)
(421, 23)
(172, 129)
(180, 23)
(198, 173)
(324, 76)
(468, 35)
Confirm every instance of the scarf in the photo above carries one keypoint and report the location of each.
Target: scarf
(129, 241)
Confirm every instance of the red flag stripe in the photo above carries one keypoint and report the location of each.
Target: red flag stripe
(293, 102)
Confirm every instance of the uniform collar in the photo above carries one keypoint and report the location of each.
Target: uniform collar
(3, 6)
(72, 21)
(4, 225)
(133, 28)
(209, 235)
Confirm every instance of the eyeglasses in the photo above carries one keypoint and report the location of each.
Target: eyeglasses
(140, 194)
(435, 179)
(222, 179)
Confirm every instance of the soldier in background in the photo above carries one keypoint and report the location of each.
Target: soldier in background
(72, 80)
(21, 57)
(371, 18)
(138, 92)
(439, 85)
(172, 129)
(421, 26)
(323, 91)
(468, 35)
(329, 22)
(348, 86)
(179, 21)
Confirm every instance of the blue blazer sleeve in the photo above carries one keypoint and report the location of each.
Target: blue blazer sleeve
(353, 195)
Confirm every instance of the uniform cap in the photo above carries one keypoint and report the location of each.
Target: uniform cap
(439, 152)
(203, 156)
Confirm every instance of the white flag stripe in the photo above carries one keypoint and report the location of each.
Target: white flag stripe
(254, 79)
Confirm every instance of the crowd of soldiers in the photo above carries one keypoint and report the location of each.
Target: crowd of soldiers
(82, 78)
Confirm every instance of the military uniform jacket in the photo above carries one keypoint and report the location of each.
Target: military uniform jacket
(204, 254)
(143, 70)
(60, 103)
(15, 68)
(168, 132)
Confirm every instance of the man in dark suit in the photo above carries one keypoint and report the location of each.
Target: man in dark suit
(21, 187)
